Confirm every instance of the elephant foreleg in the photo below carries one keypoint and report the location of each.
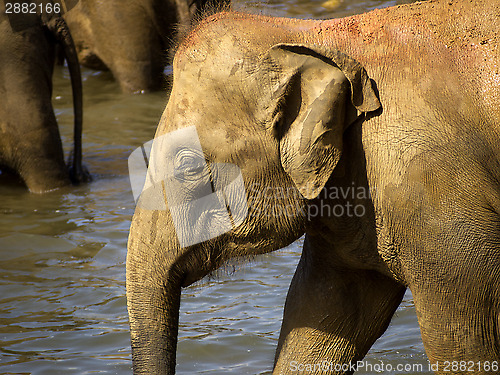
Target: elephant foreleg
(332, 317)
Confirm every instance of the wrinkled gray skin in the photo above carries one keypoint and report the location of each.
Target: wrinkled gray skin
(130, 37)
(279, 98)
(30, 143)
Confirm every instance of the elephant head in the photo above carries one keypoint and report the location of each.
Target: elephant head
(30, 143)
(251, 132)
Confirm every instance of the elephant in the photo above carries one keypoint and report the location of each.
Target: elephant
(30, 143)
(376, 135)
(130, 37)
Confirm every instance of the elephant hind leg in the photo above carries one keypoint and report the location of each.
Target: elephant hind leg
(332, 317)
(461, 333)
(454, 277)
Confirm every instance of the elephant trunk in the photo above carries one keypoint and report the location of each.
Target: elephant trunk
(60, 30)
(153, 295)
(154, 317)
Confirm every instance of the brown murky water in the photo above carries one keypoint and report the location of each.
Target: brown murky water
(62, 257)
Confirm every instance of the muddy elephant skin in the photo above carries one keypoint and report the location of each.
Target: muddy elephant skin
(376, 135)
(30, 143)
(131, 38)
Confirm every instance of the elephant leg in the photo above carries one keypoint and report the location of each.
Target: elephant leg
(453, 268)
(460, 319)
(332, 316)
(459, 338)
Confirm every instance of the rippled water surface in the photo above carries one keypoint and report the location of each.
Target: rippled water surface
(62, 257)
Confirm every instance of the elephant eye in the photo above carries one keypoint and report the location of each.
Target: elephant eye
(188, 164)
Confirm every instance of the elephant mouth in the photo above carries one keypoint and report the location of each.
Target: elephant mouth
(212, 256)
(190, 278)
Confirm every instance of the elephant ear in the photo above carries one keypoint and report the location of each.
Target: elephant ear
(320, 93)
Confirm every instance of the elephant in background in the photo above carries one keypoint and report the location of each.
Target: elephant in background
(377, 135)
(30, 143)
(131, 37)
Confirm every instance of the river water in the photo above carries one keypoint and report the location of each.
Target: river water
(62, 257)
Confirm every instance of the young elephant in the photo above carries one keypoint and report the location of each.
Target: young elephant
(377, 135)
(30, 144)
(130, 37)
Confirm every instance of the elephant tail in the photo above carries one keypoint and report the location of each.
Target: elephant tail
(60, 30)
